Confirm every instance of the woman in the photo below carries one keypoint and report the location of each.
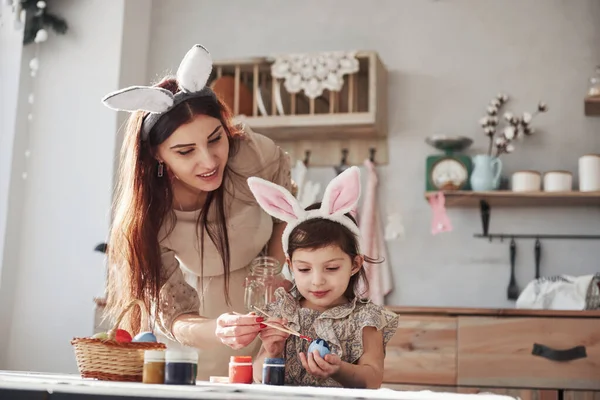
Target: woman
(186, 225)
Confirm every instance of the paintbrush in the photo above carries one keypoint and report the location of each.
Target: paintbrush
(279, 327)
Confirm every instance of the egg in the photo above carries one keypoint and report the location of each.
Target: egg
(101, 335)
(122, 336)
(320, 345)
(145, 337)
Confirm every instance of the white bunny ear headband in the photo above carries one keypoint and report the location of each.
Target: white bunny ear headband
(340, 197)
(192, 75)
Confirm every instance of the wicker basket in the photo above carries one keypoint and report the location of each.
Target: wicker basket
(109, 360)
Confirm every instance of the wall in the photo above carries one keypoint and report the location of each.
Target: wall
(446, 59)
(134, 55)
(10, 70)
(67, 194)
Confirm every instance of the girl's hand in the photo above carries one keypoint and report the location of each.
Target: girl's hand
(284, 283)
(319, 366)
(274, 339)
(238, 331)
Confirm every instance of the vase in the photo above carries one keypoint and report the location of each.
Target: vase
(486, 173)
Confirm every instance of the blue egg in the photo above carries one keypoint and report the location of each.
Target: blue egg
(145, 337)
(320, 345)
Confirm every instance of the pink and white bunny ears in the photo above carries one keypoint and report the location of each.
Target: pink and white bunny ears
(192, 75)
(341, 196)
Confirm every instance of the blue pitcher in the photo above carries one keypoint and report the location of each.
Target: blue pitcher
(486, 173)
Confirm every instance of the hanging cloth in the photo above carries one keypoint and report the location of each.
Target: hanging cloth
(373, 244)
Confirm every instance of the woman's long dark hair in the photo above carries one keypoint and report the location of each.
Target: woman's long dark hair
(143, 202)
(318, 233)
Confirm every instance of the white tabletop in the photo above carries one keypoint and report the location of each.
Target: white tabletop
(57, 383)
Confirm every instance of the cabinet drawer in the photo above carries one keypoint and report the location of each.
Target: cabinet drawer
(498, 352)
(522, 394)
(423, 351)
(581, 395)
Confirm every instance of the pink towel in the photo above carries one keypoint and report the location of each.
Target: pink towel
(372, 241)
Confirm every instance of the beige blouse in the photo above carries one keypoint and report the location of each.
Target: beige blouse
(190, 288)
(340, 326)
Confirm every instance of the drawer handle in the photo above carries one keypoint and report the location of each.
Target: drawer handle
(559, 355)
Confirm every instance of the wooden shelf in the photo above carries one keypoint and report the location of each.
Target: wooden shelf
(348, 122)
(592, 106)
(507, 198)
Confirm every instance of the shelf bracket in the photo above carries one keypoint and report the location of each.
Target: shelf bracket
(485, 210)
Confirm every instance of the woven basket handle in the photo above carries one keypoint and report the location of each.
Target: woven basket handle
(132, 303)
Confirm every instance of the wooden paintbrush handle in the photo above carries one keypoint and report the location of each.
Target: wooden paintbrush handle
(275, 326)
(280, 328)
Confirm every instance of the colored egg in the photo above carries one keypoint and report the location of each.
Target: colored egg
(122, 336)
(145, 337)
(101, 335)
(320, 345)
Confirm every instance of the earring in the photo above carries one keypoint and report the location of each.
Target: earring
(161, 169)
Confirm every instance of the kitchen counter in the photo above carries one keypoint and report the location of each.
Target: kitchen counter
(25, 386)
(491, 312)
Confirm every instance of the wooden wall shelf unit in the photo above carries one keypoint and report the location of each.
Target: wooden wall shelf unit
(354, 119)
(592, 106)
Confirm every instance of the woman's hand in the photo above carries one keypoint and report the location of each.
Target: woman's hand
(238, 331)
(274, 339)
(320, 367)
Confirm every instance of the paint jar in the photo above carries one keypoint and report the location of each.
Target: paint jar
(154, 366)
(273, 371)
(181, 367)
(240, 369)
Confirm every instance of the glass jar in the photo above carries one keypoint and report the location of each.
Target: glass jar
(265, 276)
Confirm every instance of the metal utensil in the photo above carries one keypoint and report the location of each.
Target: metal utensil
(513, 289)
(538, 255)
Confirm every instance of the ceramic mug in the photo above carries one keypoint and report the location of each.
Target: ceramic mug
(526, 181)
(558, 181)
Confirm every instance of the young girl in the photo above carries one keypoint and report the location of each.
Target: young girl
(322, 249)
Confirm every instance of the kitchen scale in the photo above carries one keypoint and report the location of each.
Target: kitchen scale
(448, 171)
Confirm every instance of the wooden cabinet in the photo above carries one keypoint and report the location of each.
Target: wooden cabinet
(423, 351)
(580, 395)
(530, 354)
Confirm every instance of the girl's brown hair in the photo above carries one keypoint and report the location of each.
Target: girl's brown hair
(318, 233)
(143, 202)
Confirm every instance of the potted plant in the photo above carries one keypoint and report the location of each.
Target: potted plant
(501, 133)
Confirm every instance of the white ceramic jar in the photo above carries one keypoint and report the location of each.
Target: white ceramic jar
(589, 173)
(526, 181)
(558, 181)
